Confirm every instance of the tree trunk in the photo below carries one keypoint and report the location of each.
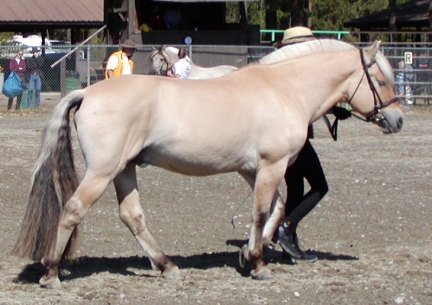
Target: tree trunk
(430, 21)
(392, 18)
(298, 16)
(271, 14)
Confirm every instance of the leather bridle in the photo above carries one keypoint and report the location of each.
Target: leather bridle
(376, 115)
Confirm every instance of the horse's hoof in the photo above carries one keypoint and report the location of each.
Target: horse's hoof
(264, 274)
(50, 283)
(243, 257)
(172, 273)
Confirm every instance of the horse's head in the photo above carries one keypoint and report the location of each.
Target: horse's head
(376, 84)
(161, 60)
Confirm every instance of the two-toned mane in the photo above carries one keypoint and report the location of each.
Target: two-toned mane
(323, 46)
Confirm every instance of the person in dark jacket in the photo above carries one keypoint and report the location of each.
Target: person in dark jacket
(34, 68)
(18, 65)
(307, 166)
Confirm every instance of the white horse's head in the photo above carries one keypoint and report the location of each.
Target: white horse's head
(163, 58)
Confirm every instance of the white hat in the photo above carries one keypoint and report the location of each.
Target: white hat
(294, 35)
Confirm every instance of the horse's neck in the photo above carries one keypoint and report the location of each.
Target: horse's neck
(333, 78)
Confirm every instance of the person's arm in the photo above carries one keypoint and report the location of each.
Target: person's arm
(171, 72)
(111, 65)
(110, 73)
(13, 65)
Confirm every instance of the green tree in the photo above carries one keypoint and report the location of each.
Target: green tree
(318, 14)
(331, 14)
(299, 12)
(5, 36)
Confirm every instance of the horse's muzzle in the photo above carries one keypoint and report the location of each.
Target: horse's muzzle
(391, 124)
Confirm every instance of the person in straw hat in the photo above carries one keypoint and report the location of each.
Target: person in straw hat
(294, 35)
(120, 62)
(307, 166)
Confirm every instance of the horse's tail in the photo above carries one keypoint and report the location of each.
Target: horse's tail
(54, 180)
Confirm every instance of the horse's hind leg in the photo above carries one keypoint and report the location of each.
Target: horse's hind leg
(133, 217)
(89, 190)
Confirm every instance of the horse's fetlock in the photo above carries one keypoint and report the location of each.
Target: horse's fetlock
(255, 255)
(48, 262)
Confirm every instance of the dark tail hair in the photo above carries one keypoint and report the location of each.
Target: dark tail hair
(54, 181)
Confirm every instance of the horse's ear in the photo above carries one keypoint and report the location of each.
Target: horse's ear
(371, 51)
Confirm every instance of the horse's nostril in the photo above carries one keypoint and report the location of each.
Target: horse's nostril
(400, 122)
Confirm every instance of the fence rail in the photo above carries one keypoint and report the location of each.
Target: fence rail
(270, 36)
(85, 66)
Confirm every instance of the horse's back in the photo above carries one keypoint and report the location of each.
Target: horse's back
(198, 72)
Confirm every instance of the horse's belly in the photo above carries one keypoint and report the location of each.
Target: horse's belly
(193, 163)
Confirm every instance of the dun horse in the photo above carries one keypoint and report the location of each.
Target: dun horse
(252, 121)
(164, 57)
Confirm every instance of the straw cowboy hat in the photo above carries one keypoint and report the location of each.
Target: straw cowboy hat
(294, 35)
(128, 44)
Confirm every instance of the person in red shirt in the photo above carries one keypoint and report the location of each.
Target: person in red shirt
(18, 65)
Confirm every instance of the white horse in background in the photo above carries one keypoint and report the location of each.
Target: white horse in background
(164, 57)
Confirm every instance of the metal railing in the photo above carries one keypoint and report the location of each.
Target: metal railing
(270, 36)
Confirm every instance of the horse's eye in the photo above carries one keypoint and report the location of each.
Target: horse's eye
(381, 83)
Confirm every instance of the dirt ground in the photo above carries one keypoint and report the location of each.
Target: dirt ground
(372, 232)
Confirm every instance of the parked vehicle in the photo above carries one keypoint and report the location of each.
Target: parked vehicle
(26, 44)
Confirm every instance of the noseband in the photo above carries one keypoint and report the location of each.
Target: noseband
(376, 115)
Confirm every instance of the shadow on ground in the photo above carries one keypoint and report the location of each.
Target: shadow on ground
(87, 266)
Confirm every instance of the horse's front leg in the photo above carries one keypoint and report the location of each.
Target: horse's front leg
(276, 216)
(133, 217)
(266, 182)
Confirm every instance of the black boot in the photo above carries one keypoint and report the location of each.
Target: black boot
(309, 258)
(285, 238)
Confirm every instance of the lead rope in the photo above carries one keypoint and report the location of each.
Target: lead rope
(238, 208)
(332, 127)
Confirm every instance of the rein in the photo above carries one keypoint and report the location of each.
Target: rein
(332, 128)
